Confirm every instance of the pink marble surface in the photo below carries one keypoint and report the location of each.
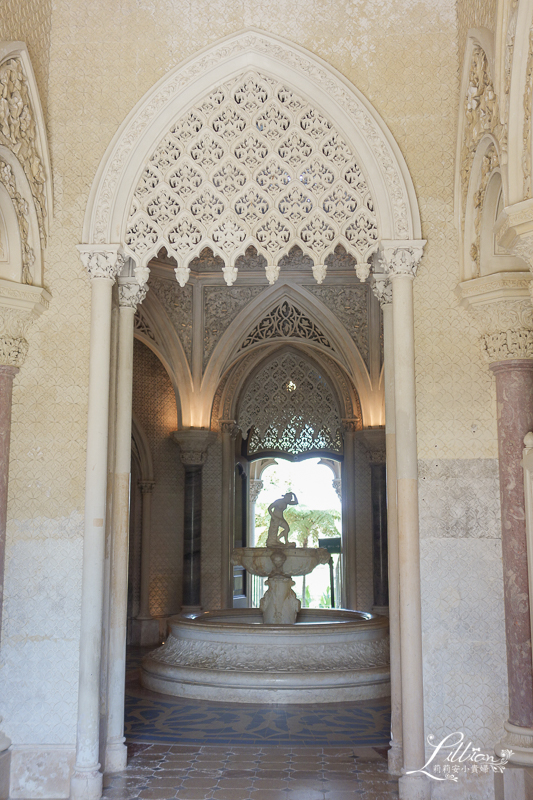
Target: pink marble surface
(514, 392)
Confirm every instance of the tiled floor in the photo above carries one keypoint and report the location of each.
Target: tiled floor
(188, 772)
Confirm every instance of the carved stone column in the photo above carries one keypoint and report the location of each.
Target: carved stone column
(401, 262)
(103, 263)
(130, 295)
(229, 431)
(383, 291)
(348, 516)
(193, 451)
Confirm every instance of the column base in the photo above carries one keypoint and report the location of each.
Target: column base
(515, 783)
(116, 756)
(414, 787)
(145, 632)
(86, 784)
(395, 758)
(186, 610)
(520, 741)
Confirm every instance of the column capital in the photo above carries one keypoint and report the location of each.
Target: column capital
(102, 261)
(146, 487)
(229, 426)
(350, 425)
(130, 293)
(255, 489)
(194, 443)
(382, 288)
(20, 305)
(373, 440)
(401, 257)
(507, 328)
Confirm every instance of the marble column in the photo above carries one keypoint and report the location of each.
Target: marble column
(401, 261)
(103, 263)
(193, 452)
(229, 431)
(349, 569)
(130, 295)
(514, 393)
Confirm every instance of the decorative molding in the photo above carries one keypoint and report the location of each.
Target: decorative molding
(401, 258)
(142, 326)
(255, 489)
(490, 162)
(194, 443)
(481, 114)
(130, 294)
(7, 179)
(252, 163)
(349, 304)
(102, 262)
(18, 132)
(20, 305)
(499, 286)
(177, 302)
(221, 306)
(285, 321)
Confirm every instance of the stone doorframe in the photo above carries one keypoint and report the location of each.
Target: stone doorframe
(103, 254)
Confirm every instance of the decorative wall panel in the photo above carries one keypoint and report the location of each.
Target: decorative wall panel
(221, 305)
(350, 305)
(177, 302)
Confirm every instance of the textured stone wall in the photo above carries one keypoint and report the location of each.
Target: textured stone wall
(154, 405)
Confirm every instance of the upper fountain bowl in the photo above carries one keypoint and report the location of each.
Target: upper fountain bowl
(286, 560)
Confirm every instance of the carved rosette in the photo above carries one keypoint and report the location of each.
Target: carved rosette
(130, 294)
(101, 261)
(401, 258)
(193, 446)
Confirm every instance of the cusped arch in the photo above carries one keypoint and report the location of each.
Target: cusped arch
(129, 153)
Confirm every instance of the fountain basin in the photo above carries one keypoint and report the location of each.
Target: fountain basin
(286, 560)
(329, 655)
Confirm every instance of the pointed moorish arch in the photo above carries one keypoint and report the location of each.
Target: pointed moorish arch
(377, 153)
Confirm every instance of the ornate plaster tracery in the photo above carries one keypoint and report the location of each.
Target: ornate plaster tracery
(288, 406)
(481, 114)
(7, 179)
(18, 131)
(490, 162)
(252, 164)
(285, 321)
(221, 306)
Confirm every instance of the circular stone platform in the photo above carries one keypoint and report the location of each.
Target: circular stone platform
(329, 655)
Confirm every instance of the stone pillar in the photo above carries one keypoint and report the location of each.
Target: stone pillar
(401, 261)
(514, 393)
(103, 263)
(349, 569)
(229, 431)
(395, 754)
(130, 294)
(147, 627)
(193, 451)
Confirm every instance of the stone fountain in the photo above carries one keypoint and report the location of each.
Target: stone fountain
(278, 653)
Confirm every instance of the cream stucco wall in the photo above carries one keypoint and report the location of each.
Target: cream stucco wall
(403, 55)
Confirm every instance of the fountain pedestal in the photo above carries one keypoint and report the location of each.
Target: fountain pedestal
(280, 563)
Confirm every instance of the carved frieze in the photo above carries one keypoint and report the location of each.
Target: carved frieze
(221, 305)
(350, 305)
(177, 302)
(18, 131)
